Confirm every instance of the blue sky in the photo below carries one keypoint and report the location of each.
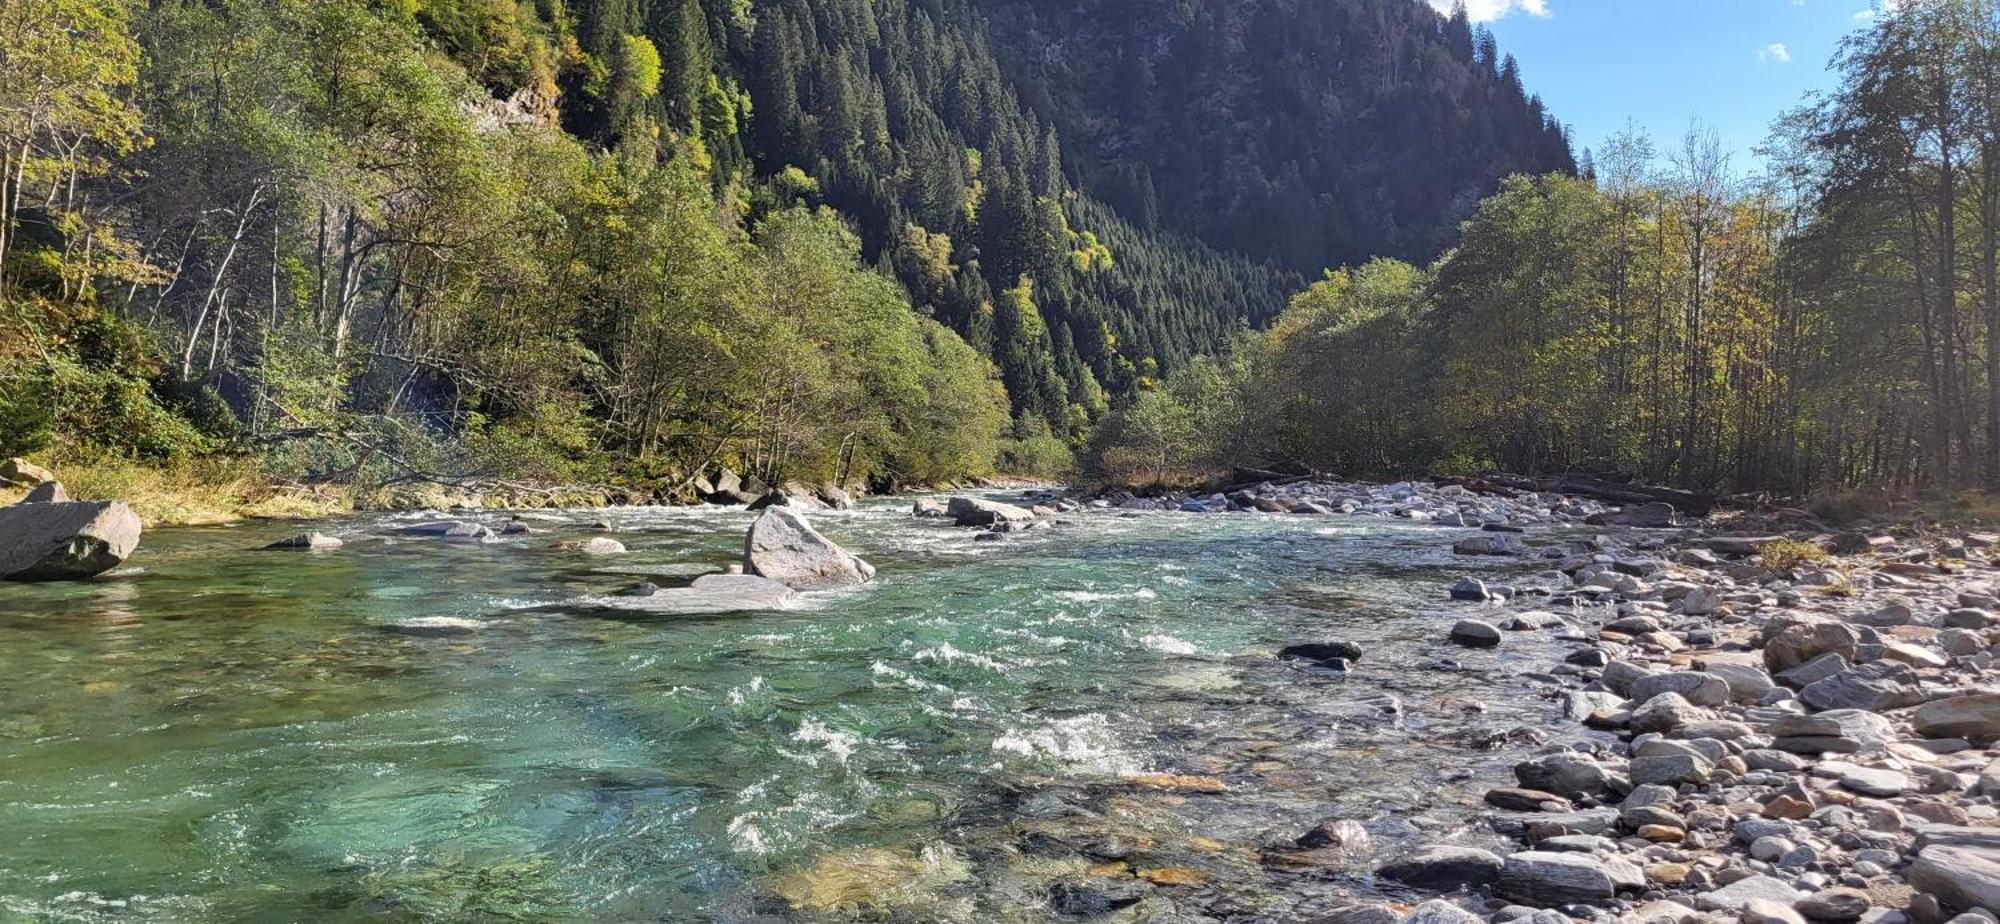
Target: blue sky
(1734, 64)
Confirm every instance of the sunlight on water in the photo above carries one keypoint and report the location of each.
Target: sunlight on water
(418, 730)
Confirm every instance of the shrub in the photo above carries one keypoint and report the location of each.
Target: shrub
(1783, 555)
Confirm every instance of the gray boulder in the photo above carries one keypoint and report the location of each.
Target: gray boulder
(784, 547)
(48, 492)
(65, 541)
(22, 473)
(1975, 716)
(1475, 634)
(1875, 686)
(978, 511)
(1551, 878)
(1697, 687)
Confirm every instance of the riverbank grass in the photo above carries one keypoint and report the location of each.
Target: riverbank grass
(199, 492)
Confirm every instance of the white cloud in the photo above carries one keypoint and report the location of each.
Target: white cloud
(1489, 10)
(1881, 8)
(1776, 51)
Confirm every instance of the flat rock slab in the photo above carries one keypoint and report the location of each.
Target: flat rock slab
(1975, 716)
(65, 541)
(709, 594)
(1545, 877)
(1735, 895)
(1963, 877)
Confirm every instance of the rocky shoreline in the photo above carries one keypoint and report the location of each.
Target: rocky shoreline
(1795, 723)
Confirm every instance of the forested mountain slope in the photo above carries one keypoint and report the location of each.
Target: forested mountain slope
(1309, 133)
(654, 234)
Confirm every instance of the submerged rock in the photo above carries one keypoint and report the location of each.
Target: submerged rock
(784, 547)
(596, 545)
(306, 542)
(454, 530)
(65, 540)
(709, 594)
(1323, 653)
(1444, 866)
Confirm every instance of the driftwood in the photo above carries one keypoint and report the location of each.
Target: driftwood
(1595, 487)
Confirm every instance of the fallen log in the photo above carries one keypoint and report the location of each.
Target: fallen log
(1595, 487)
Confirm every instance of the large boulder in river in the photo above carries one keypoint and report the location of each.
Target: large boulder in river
(978, 511)
(785, 548)
(65, 540)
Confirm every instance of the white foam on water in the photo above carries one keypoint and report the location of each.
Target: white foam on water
(1170, 645)
(1099, 596)
(839, 744)
(441, 622)
(947, 653)
(740, 695)
(1086, 743)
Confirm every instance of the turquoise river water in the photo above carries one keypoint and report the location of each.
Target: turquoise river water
(219, 734)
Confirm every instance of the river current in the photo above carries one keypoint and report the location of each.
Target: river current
(418, 730)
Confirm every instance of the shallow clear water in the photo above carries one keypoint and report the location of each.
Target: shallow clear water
(225, 734)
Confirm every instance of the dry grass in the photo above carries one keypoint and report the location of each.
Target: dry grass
(192, 493)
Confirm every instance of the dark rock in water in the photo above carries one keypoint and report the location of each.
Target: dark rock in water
(784, 547)
(1588, 657)
(516, 528)
(1475, 634)
(65, 541)
(989, 537)
(1084, 899)
(1471, 589)
(307, 542)
(642, 589)
(1501, 528)
(1516, 799)
(1565, 774)
(1344, 833)
(927, 509)
(1443, 866)
(1323, 652)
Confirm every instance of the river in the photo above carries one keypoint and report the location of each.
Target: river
(217, 733)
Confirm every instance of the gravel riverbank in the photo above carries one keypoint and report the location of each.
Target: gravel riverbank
(1796, 723)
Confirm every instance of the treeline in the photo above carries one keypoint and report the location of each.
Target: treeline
(307, 228)
(1833, 323)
